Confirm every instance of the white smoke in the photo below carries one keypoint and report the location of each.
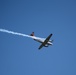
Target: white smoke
(16, 33)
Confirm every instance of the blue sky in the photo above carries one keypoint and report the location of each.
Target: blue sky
(20, 55)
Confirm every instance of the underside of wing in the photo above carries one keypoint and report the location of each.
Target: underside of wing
(41, 46)
(45, 41)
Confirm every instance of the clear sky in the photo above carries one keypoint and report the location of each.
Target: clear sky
(20, 55)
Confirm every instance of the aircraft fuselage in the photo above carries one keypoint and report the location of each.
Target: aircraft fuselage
(42, 40)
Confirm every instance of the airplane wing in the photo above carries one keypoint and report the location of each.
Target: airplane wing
(45, 41)
(41, 46)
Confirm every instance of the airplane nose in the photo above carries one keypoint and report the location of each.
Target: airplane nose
(51, 43)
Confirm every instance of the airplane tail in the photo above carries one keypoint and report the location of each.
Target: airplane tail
(32, 34)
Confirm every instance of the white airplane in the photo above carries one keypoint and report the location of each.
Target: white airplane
(44, 42)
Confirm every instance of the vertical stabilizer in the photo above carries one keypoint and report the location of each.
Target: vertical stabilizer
(32, 34)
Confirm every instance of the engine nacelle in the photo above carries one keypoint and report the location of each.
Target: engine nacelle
(51, 40)
(46, 45)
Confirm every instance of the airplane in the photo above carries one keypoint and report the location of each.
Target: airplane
(44, 42)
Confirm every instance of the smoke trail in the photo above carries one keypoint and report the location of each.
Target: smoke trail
(16, 33)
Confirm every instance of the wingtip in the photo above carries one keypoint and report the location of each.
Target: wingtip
(39, 48)
(51, 34)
